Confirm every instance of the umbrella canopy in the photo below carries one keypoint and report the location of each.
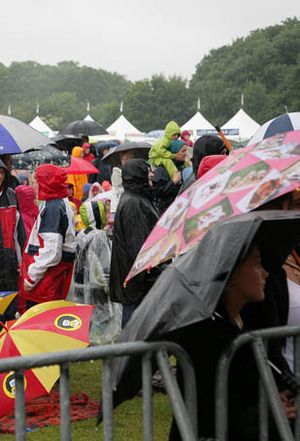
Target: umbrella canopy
(280, 124)
(47, 327)
(189, 289)
(140, 150)
(247, 179)
(6, 300)
(80, 166)
(17, 137)
(83, 127)
(45, 155)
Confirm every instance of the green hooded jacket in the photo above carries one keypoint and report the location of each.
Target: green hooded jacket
(159, 153)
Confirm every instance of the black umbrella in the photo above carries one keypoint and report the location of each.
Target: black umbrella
(83, 127)
(139, 149)
(188, 290)
(44, 155)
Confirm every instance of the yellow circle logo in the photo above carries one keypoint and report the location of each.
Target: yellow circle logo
(9, 385)
(68, 322)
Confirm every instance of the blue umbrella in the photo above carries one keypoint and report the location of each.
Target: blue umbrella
(17, 137)
(281, 124)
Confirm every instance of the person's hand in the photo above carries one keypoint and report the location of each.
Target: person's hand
(288, 403)
(27, 286)
(177, 177)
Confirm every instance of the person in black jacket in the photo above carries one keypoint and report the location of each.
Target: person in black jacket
(134, 220)
(12, 238)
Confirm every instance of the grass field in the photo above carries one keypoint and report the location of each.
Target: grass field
(86, 377)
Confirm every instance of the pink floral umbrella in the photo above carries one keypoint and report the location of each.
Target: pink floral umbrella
(247, 179)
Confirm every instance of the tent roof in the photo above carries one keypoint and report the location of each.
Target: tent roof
(198, 122)
(38, 124)
(88, 118)
(246, 126)
(122, 127)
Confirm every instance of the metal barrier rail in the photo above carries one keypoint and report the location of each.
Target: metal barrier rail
(268, 392)
(184, 408)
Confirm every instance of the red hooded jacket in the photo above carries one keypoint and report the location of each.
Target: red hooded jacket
(209, 162)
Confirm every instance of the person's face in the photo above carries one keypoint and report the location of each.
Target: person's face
(2, 176)
(125, 156)
(105, 151)
(249, 278)
(182, 153)
(175, 136)
(70, 191)
(150, 177)
(95, 190)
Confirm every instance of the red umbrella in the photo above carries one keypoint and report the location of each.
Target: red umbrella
(80, 166)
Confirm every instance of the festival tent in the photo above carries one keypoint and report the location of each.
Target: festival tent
(88, 118)
(240, 127)
(199, 126)
(123, 129)
(38, 124)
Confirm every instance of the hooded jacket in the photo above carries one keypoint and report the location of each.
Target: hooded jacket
(28, 208)
(78, 181)
(12, 235)
(49, 254)
(160, 147)
(134, 219)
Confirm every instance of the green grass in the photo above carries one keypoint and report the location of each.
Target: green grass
(128, 422)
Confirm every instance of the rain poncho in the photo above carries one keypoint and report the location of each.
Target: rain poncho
(160, 154)
(78, 181)
(91, 284)
(49, 254)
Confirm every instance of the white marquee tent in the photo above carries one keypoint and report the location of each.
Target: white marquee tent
(38, 124)
(122, 129)
(199, 126)
(240, 127)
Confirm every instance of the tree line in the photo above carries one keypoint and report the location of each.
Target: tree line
(263, 66)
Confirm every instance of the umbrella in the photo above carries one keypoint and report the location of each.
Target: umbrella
(7, 300)
(188, 290)
(47, 327)
(80, 166)
(247, 179)
(83, 127)
(66, 142)
(140, 150)
(17, 137)
(44, 155)
(280, 124)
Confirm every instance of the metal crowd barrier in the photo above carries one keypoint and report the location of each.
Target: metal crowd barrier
(268, 393)
(184, 408)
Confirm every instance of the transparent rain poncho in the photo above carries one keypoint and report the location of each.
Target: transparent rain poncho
(91, 284)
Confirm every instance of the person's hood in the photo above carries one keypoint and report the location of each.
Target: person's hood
(172, 128)
(52, 182)
(135, 177)
(26, 199)
(77, 152)
(206, 145)
(209, 162)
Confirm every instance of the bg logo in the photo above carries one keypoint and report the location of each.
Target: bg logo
(68, 322)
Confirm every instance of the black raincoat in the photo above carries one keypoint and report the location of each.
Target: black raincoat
(185, 306)
(134, 220)
(165, 191)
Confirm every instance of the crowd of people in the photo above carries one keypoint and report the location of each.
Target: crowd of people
(47, 230)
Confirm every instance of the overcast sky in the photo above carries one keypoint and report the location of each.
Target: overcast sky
(136, 38)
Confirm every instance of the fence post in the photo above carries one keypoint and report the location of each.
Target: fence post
(270, 387)
(147, 397)
(20, 405)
